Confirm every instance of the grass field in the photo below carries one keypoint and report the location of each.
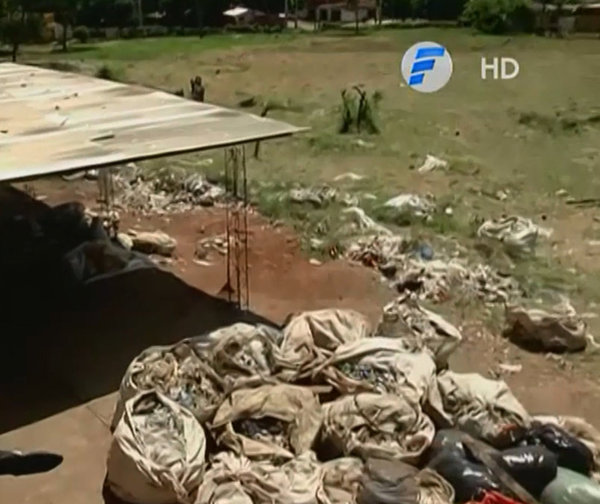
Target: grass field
(529, 137)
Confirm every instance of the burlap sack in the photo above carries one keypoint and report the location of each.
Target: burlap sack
(341, 479)
(157, 452)
(245, 355)
(433, 489)
(481, 407)
(311, 336)
(234, 479)
(295, 412)
(377, 425)
(386, 365)
(183, 372)
(405, 318)
(558, 330)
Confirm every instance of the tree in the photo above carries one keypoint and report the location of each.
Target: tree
(65, 12)
(18, 25)
(355, 5)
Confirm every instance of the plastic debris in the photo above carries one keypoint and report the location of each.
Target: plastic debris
(319, 197)
(571, 488)
(155, 242)
(411, 203)
(432, 163)
(365, 223)
(354, 177)
(518, 234)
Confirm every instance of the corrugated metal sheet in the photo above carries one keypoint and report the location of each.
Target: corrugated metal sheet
(54, 122)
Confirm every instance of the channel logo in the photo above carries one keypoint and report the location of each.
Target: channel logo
(427, 67)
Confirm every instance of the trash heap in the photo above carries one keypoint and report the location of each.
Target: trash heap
(328, 410)
(410, 269)
(166, 191)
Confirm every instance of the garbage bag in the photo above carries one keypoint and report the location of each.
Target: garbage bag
(389, 482)
(271, 421)
(234, 479)
(405, 318)
(157, 452)
(98, 260)
(311, 336)
(386, 365)
(570, 487)
(392, 482)
(377, 425)
(469, 479)
(342, 478)
(447, 439)
(481, 407)
(582, 430)
(183, 372)
(559, 330)
(518, 234)
(572, 453)
(533, 467)
(245, 355)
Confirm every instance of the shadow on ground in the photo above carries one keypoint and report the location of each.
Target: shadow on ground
(60, 352)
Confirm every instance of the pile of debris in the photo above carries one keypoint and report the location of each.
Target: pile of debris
(165, 191)
(327, 410)
(413, 269)
(517, 234)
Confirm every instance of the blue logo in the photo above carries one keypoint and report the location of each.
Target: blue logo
(427, 67)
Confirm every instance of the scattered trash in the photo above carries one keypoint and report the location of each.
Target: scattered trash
(365, 223)
(516, 233)
(217, 243)
(411, 203)
(319, 197)
(362, 143)
(560, 330)
(561, 193)
(354, 177)
(432, 163)
(501, 195)
(168, 190)
(155, 242)
(404, 318)
(315, 262)
(510, 368)
(449, 211)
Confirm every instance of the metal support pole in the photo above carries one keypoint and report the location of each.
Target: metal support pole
(236, 215)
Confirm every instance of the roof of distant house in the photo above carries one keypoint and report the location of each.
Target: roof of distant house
(58, 122)
(236, 12)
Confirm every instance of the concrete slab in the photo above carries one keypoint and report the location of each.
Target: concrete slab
(81, 435)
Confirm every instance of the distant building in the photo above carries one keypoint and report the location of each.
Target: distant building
(587, 18)
(568, 18)
(329, 11)
(243, 16)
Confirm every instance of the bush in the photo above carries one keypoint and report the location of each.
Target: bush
(498, 16)
(81, 33)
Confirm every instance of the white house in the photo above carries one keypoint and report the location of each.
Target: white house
(342, 12)
(241, 15)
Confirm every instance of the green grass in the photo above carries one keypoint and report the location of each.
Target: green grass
(528, 137)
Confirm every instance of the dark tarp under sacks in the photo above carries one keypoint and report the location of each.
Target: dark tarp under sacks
(327, 412)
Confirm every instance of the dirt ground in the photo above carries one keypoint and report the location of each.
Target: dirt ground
(58, 386)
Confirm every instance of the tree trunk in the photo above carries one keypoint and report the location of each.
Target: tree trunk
(379, 12)
(15, 49)
(65, 30)
(356, 17)
(286, 10)
(295, 14)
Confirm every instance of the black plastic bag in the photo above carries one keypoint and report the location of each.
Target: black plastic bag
(469, 479)
(447, 439)
(533, 467)
(571, 452)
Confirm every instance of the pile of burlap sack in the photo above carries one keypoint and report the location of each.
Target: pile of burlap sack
(325, 410)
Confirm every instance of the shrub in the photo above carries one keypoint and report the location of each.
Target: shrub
(498, 16)
(106, 72)
(81, 33)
